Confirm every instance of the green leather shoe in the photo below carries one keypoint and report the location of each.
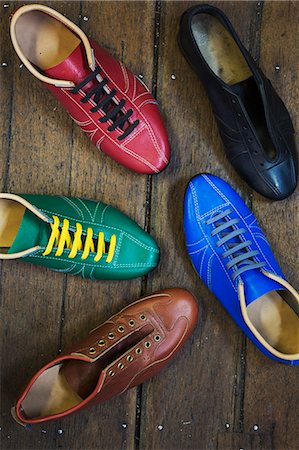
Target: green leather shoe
(74, 235)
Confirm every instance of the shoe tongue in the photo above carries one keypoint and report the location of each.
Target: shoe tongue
(74, 68)
(257, 284)
(32, 232)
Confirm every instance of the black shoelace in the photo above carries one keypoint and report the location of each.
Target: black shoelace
(104, 101)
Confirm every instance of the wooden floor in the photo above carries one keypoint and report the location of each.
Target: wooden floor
(219, 392)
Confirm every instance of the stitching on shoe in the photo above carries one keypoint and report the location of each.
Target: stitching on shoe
(79, 199)
(153, 137)
(237, 212)
(209, 266)
(132, 238)
(129, 266)
(202, 260)
(135, 133)
(76, 208)
(194, 243)
(126, 77)
(197, 251)
(117, 251)
(193, 192)
(103, 213)
(148, 102)
(130, 152)
(213, 210)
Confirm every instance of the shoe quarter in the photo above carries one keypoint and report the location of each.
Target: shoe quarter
(260, 243)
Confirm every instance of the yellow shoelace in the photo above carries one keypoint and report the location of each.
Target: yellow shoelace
(62, 239)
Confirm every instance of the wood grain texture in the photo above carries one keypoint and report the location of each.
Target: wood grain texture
(271, 390)
(31, 295)
(201, 390)
(49, 155)
(98, 176)
(219, 386)
(248, 441)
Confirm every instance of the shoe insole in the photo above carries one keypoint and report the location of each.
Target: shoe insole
(45, 41)
(50, 394)
(65, 385)
(276, 321)
(219, 49)
(11, 215)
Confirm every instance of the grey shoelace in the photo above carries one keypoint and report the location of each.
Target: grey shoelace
(242, 259)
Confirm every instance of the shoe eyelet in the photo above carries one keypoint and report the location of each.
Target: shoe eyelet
(110, 335)
(262, 164)
(92, 351)
(111, 373)
(142, 316)
(138, 351)
(130, 358)
(255, 151)
(120, 366)
(101, 342)
(147, 344)
(234, 100)
(244, 127)
(239, 114)
(121, 329)
(250, 140)
(157, 338)
(131, 322)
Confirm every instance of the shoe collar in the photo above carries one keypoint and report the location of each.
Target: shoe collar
(220, 15)
(51, 12)
(34, 210)
(255, 332)
(16, 410)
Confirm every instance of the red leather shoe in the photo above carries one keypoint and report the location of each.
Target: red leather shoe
(102, 96)
(129, 348)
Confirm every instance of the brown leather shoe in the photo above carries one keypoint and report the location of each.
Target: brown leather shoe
(126, 350)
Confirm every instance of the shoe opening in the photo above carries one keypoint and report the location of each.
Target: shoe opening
(65, 385)
(11, 216)
(45, 41)
(56, 52)
(275, 316)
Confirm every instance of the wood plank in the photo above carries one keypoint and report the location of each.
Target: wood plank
(244, 441)
(271, 388)
(50, 155)
(87, 304)
(6, 70)
(192, 400)
(31, 295)
(199, 400)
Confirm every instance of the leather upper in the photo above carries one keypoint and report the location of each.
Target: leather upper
(274, 178)
(146, 148)
(170, 315)
(206, 196)
(136, 252)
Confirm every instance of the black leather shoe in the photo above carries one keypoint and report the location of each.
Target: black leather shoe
(254, 123)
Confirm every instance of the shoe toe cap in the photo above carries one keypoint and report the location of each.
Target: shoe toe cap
(281, 180)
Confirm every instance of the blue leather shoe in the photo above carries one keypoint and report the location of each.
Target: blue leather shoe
(233, 258)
